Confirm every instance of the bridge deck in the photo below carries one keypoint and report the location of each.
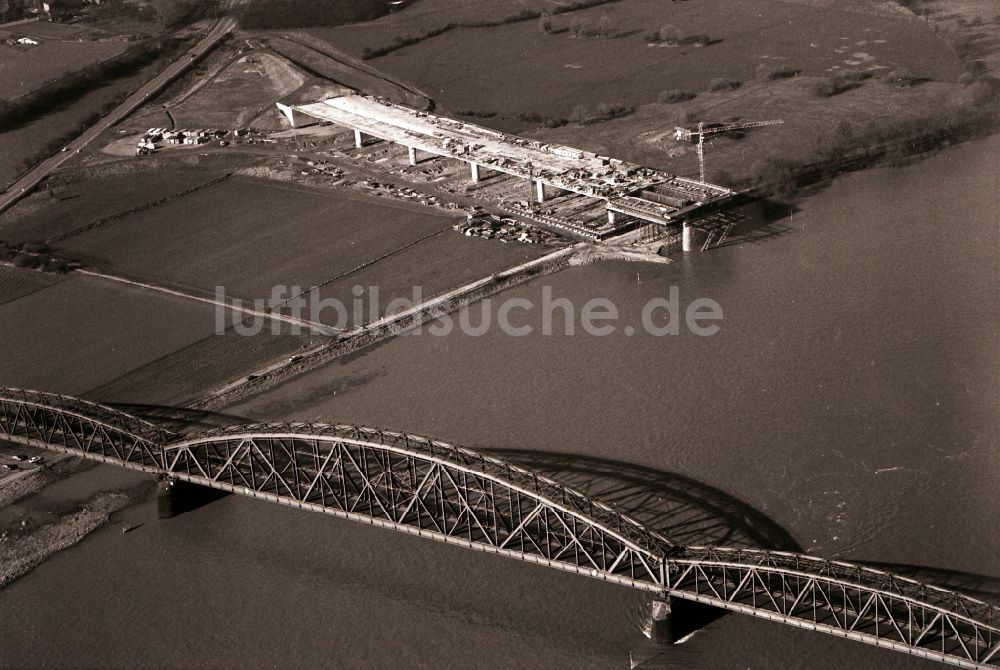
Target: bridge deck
(457, 495)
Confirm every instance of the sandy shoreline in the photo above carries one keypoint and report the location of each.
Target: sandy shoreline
(20, 555)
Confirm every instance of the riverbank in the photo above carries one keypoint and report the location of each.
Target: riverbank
(390, 326)
(20, 554)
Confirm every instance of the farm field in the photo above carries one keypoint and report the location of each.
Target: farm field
(436, 264)
(16, 282)
(200, 367)
(25, 142)
(517, 69)
(24, 69)
(249, 235)
(84, 332)
(83, 200)
(421, 16)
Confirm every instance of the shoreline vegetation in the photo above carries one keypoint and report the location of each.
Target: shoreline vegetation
(848, 150)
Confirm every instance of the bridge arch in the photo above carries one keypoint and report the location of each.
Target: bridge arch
(457, 495)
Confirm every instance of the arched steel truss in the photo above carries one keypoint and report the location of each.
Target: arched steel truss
(457, 495)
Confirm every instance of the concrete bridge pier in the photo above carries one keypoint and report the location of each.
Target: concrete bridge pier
(660, 625)
(474, 168)
(687, 237)
(539, 191)
(358, 139)
(611, 217)
(413, 155)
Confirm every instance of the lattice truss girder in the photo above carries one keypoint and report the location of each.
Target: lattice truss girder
(844, 607)
(463, 496)
(73, 431)
(407, 490)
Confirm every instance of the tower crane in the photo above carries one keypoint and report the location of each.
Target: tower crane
(687, 134)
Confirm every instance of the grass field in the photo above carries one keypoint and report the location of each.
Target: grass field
(249, 235)
(25, 69)
(247, 87)
(84, 332)
(647, 136)
(315, 57)
(518, 69)
(221, 92)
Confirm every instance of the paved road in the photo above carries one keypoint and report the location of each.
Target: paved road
(25, 184)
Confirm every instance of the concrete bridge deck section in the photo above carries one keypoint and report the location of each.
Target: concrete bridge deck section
(559, 167)
(460, 496)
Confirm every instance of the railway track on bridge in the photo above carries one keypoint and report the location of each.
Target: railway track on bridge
(457, 495)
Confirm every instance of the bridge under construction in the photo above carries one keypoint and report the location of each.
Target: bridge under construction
(642, 193)
(453, 494)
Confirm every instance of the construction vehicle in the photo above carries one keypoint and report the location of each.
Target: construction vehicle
(701, 131)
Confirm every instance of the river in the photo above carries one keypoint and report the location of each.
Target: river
(847, 405)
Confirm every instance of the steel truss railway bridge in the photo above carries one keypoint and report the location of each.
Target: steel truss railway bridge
(460, 496)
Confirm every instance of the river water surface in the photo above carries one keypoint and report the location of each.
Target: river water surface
(848, 406)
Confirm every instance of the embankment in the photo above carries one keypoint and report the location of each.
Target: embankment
(393, 325)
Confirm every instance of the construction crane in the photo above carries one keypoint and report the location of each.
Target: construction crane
(687, 134)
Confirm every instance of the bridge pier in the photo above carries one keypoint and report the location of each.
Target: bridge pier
(611, 217)
(539, 191)
(660, 624)
(413, 155)
(358, 139)
(474, 168)
(687, 238)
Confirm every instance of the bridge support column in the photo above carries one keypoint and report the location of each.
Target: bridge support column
(539, 191)
(474, 168)
(413, 155)
(687, 238)
(611, 217)
(660, 628)
(358, 139)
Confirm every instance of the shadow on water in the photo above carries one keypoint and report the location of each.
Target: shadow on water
(760, 219)
(178, 497)
(685, 510)
(179, 419)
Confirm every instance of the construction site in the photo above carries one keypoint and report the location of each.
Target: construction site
(586, 194)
